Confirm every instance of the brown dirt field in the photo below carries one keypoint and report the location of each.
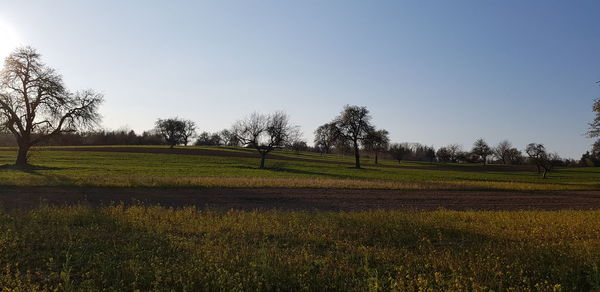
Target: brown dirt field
(250, 153)
(299, 199)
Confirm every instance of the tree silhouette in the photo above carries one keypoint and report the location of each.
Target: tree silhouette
(35, 105)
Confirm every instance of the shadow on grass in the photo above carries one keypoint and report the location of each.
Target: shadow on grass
(28, 168)
(280, 168)
(80, 248)
(49, 178)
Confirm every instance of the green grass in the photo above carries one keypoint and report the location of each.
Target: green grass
(65, 168)
(146, 248)
(154, 248)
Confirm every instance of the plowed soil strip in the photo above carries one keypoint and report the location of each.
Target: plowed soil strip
(299, 199)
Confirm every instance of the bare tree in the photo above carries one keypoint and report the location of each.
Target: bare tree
(542, 159)
(228, 138)
(35, 105)
(455, 151)
(505, 152)
(172, 130)
(189, 131)
(399, 151)
(482, 150)
(298, 145)
(431, 154)
(501, 151)
(377, 141)
(443, 154)
(208, 139)
(353, 125)
(265, 132)
(325, 137)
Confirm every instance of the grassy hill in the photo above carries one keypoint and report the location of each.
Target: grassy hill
(123, 166)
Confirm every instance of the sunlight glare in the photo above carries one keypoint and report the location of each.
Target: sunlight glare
(9, 39)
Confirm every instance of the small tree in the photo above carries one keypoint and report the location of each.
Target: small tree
(228, 138)
(208, 139)
(399, 151)
(35, 104)
(325, 137)
(542, 159)
(298, 146)
(377, 141)
(173, 131)
(455, 151)
(501, 151)
(481, 149)
(430, 153)
(265, 132)
(189, 131)
(443, 154)
(353, 125)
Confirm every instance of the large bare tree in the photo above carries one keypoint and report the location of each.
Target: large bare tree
(35, 104)
(265, 133)
(353, 125)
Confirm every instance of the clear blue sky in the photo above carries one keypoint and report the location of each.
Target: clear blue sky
(435, 72)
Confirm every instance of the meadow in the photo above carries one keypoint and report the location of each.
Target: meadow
(143, 248)
(119, 169)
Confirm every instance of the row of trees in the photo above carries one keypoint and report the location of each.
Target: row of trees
(37, 108)
(101, 137)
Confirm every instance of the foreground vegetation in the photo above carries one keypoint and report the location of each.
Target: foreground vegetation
(77, 168)
(154, 248)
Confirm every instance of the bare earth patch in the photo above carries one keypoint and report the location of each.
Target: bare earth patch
(300, 199)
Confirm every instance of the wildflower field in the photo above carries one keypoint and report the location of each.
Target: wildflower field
(155, 248)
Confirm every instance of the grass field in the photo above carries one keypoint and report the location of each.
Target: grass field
(154, 248)
(78, 168)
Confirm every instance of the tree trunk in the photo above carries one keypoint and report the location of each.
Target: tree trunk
(376, 158)
(545, 172)
(356, 154)
(22, 156)
(262, 160)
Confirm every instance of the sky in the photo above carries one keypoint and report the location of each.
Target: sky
(434, 72)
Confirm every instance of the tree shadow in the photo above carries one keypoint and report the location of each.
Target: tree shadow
(537, 262)
(80, 248)
(30, 168)
(283, 169)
